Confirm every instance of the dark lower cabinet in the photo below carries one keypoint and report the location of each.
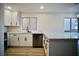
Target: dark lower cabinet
(37, 40)
(5, 44)
(63, 47)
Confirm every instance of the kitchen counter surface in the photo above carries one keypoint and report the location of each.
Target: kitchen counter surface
(26, 32)
(65, 35)
(18, 32)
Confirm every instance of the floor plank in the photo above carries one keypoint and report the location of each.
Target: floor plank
(24, 52)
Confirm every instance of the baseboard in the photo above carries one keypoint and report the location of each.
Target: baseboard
(37, 46)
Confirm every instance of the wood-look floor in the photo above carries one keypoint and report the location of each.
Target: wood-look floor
(24, 52)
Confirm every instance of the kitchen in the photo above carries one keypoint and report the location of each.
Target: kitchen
(40, 26)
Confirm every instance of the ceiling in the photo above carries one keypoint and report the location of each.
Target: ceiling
(48, 7)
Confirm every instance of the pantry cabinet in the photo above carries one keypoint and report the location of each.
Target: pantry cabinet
(11, 18)
(20, 39)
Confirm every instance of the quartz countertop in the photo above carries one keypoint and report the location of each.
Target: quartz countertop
(18, 32)
(64, 35)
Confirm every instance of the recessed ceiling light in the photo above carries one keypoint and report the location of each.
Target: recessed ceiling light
(41, 7)
(9, 7)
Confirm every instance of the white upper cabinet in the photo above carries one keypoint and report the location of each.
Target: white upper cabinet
(11, 18)
(14, 18)
(7, 17)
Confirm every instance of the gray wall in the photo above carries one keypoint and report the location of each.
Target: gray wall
(62, 47)
(1, 29)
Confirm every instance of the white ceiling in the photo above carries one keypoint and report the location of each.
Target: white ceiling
(49, 7)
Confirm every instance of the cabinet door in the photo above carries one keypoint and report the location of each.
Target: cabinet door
(13, 41)
(7, 18)
(29, 40)
(23, 40)
(14, 18)
(18, 22)
(37, 40)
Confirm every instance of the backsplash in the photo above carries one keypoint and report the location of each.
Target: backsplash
(13, 29)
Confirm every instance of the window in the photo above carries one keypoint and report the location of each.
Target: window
(67, 24)
(70, 24)
(33, 23)
(25, 23)
(74, 26)
(29, 23)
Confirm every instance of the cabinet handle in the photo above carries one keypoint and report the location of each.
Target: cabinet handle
(25, 39)
(46, 46)
(16, 23)
(47, 40)
(18, 38)
(11, 23)
(14, 34)
(44, 41)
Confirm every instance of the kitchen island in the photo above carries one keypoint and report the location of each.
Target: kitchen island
(63, 44)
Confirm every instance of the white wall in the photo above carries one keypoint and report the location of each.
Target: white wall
(50, 22)
(1, 30)
(46, 22)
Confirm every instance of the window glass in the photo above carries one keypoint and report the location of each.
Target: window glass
(74, 25)
(29, 23)
(67, 24)
(70, 24)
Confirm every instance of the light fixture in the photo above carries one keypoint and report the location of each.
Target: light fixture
(41, 7)
(9, 7)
